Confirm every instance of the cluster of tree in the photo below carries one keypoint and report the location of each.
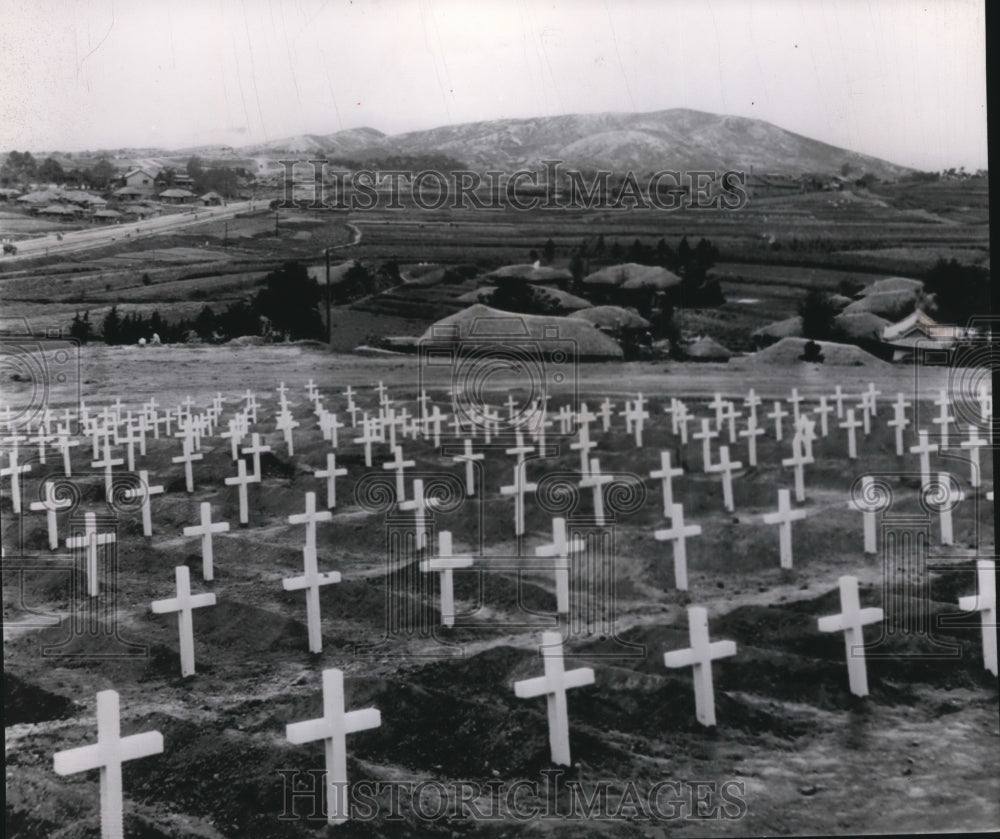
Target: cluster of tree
(817, 310)
(21, 168)
(288, 306)
(960, 291)
(218, 179)
(395, 162)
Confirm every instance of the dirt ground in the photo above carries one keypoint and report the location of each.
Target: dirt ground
(793, 751)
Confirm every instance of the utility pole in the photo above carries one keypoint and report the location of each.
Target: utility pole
(329, 323)
(275, 222)
(225, 234)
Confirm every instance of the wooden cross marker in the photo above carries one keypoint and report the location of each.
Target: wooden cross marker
(706, 435)
(434, 419)
(716, 405)
(520, 449)
(726, 467)
(255, 450)
(235, 437)
(899, 421)
(796, 400)
(40, 439)
(666, 474)
(596, 481)
(108, 754)
(752, 432)
(850, 621)
(729, 418)
(973, 444)
(824, 410)
(329, 424)
(683, 418)
(420, 506)
(64, 443)
(518, 489)
(445, 562)
(838, 398)
(560, 549)
(777, 415)
(107, 464)
(146, 491)
(678, 533)
(286, 422)
(183, 604)
(382, 389)
(867, 513)
(331, 473)
(310, 518)
(865, 414)
(872, 396)
(699, 656)
(511, 406)
(553, 686)
(636, 415)
(332, 728)
(90, 540)
(986, 603)
(14, 470)
(950, 495)
(242, 480)
(924, 449)
(851, 424)
(798, 460)
(205, 531)
(565, 417)
(583, 445)
(368, 436)
(944, 418)
(469, 458)
(607, 409)
(751, 401)
(784, 518)
(52, 505)
(187, 458)
(310, 582)
(397, 464)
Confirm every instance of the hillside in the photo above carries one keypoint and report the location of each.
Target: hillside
(671, 139)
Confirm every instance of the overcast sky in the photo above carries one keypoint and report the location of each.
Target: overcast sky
(897, 79)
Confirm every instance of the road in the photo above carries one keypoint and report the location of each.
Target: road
(80, 240)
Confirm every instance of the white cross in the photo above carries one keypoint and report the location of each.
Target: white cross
(838, 397)
(90, 540)
(205, 530)
(924, 449)
(397, 464)
(242, 480)
(823, 409)
(368, 436)
(560, 549)
(381, 392)
(973, 444)
(583, 445)
(777, 414)
(107, 464)
(634, 416)
(851, 424)
(434, 419)
(511, 406)
(706, 436)
(729, 417)
(699, 656)
(310, 518)
(469, 458)
(865, 414)
(950, 495)
(607, 408)
(872, 395)
(944, 418)
(678, 534)
(332, 728)
(183, 604)
(752, 432)
(850, 621)
(518, 489)
(331, 473)
(553, 686)
(899, 421)
(40, 439)
(726, 467)
(751, 401)
(666, 474)
(520, 449)
(420, 506)
(329, 425)
(784, 518)
(235, 437)
(867, 512)
(52, 504)
(445, 562)
(64, 443)
(310, 582)
(285, 424)
(144, 493)
(596, 481)
(108, 754)
(986, 603)
(716, 405)
(255, 449)
(796, 400)
(187, 458)
(798, 460)
(14, 471)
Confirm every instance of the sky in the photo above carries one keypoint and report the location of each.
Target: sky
(897, 79)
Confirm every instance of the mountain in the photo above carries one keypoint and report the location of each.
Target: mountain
(680, 139)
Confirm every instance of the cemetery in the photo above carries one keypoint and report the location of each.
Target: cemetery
(780, 586)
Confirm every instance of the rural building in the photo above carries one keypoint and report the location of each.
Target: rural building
(141, 179)
(211, 199)
(176, 196)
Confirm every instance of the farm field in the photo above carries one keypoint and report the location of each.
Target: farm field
(793, 750)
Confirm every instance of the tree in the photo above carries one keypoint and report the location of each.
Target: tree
(80, 329)
(817, 311)
(549, 252)
(101, 174)
(111, 327)
(51, 171)
(19, 167)
(290, 300)
(195, 168)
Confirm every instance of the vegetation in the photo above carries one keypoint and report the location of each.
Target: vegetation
(817, 311)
